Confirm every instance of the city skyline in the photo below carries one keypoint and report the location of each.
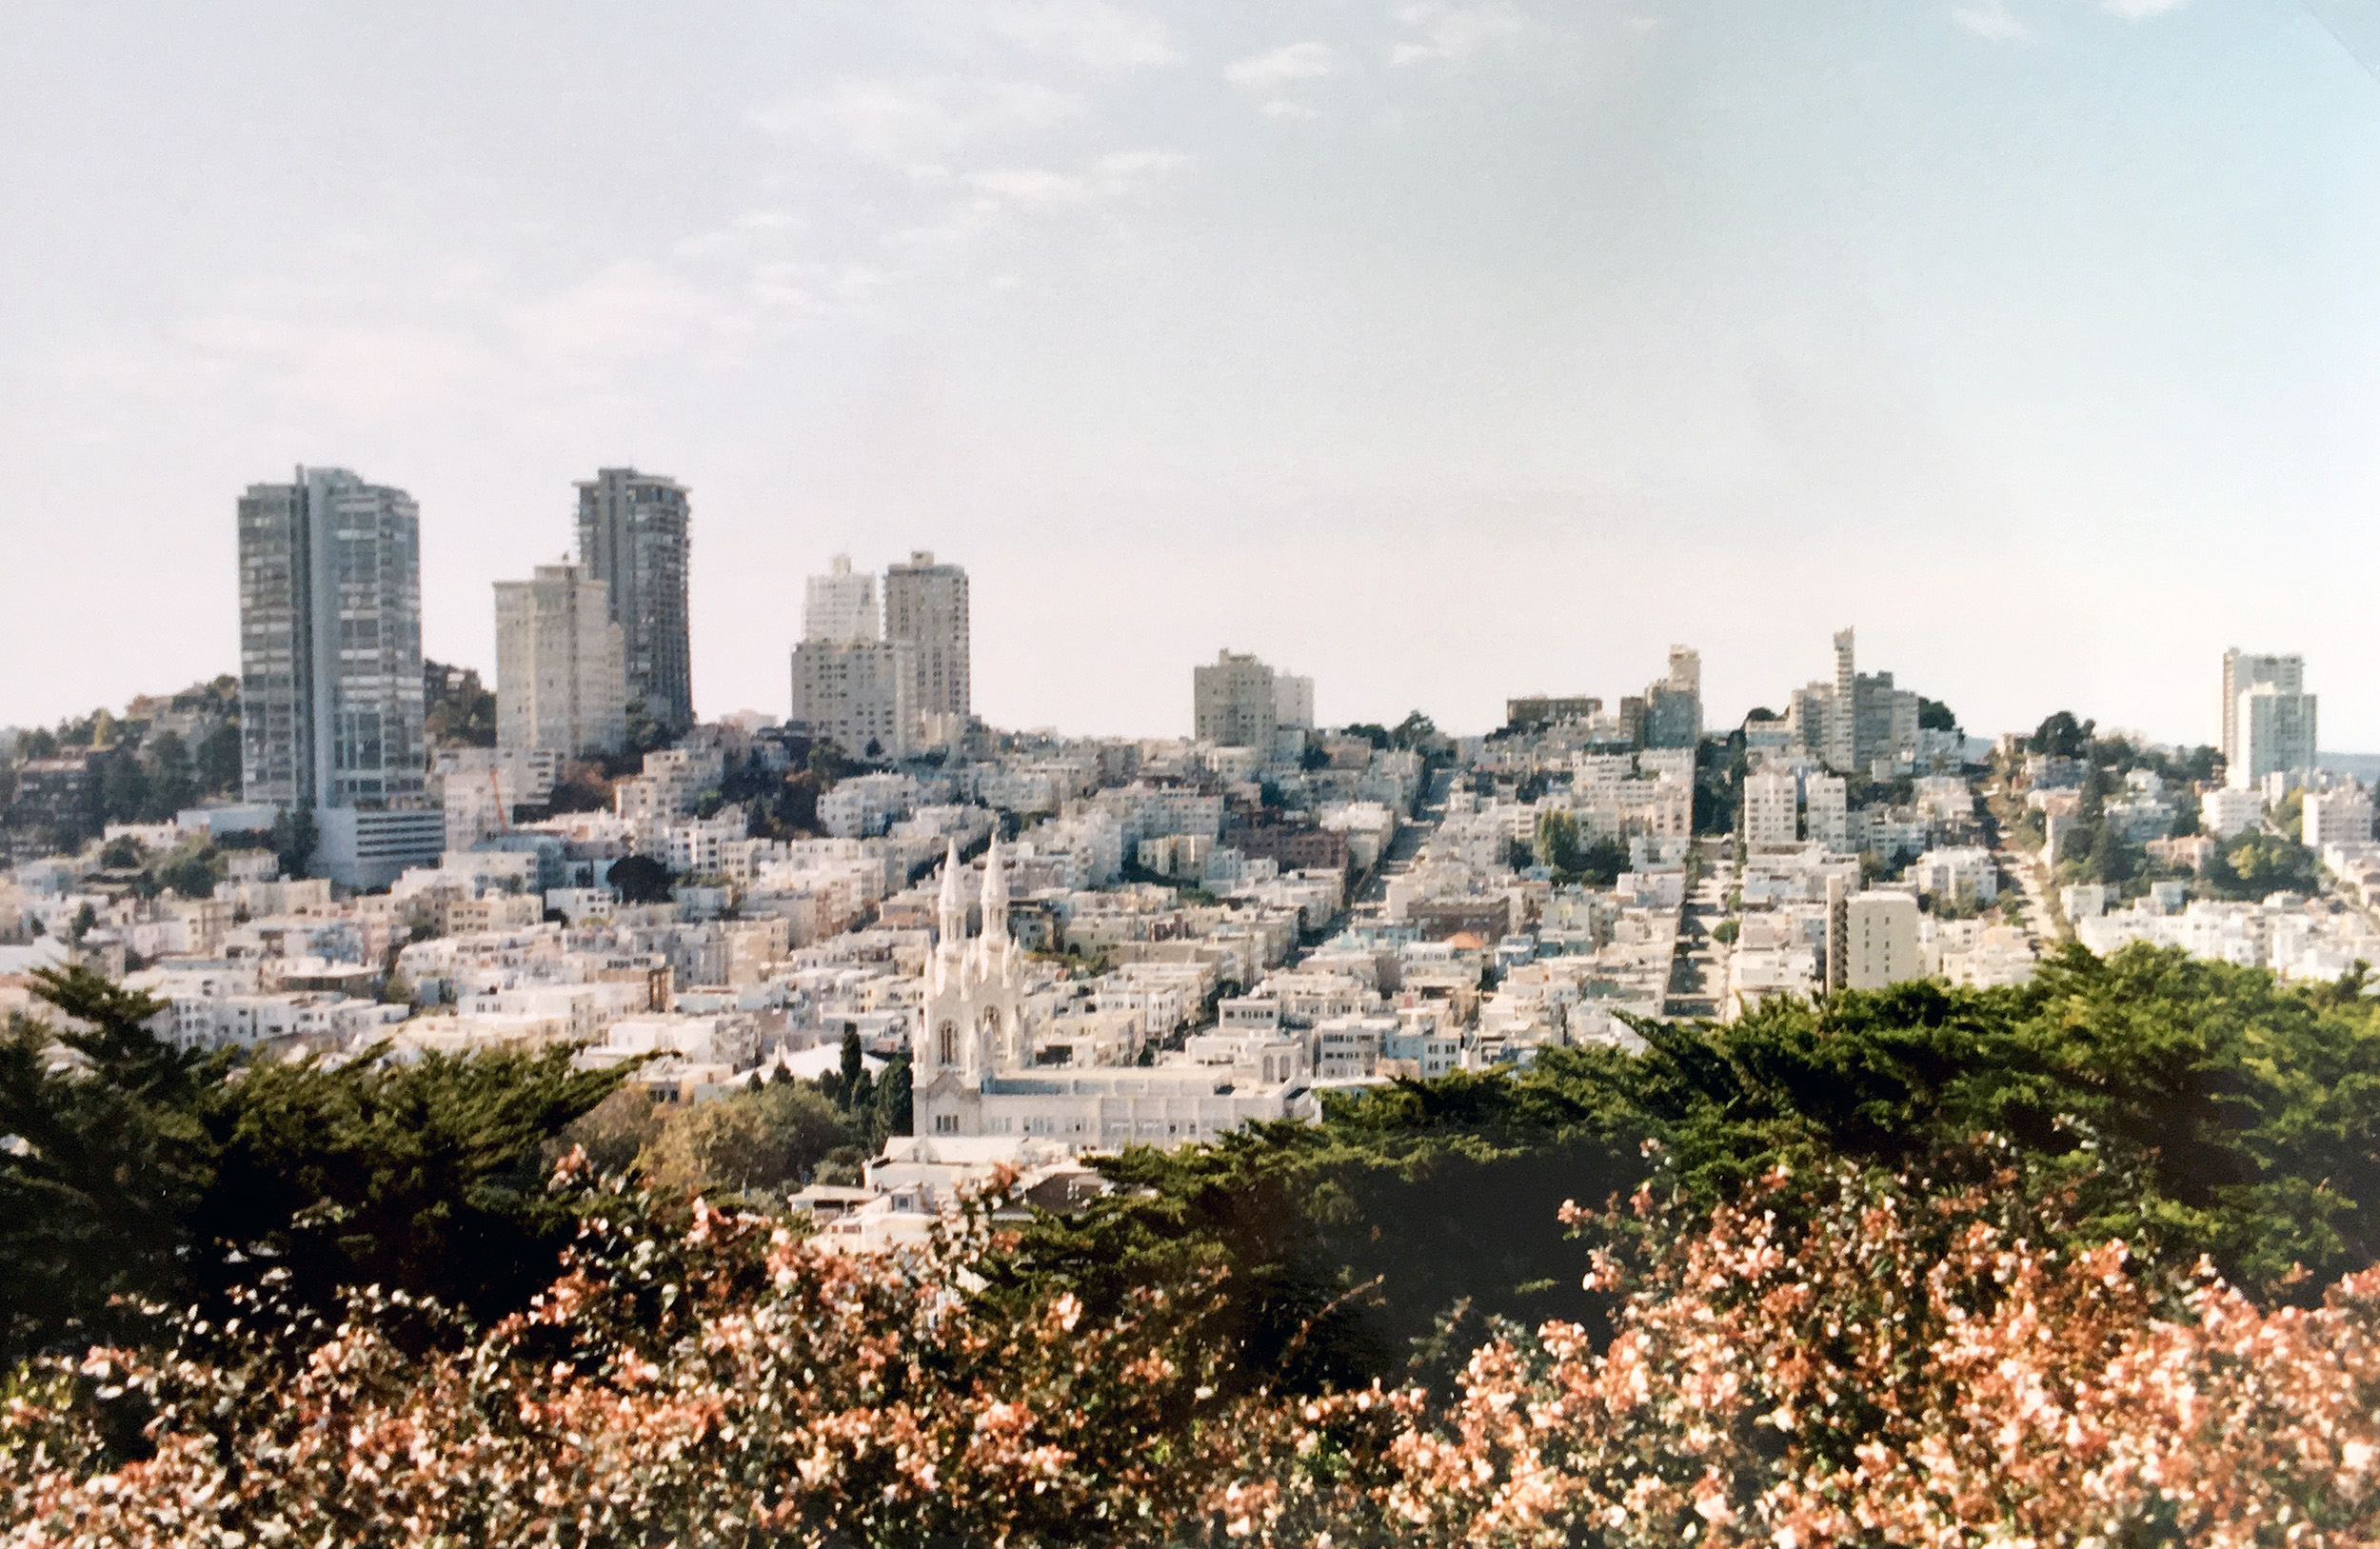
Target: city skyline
(1172, 323)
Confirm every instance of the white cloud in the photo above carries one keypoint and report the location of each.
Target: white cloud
(1111, 177)
(1090, 32)
(1033, 186)
(1443, 31)
(1991, 20)
(1283, 107)
(914, 120)
(627, 311)
(1293, 62)
(2132, 10)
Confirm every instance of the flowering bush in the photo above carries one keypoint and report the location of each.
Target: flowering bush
(1903, 1369)
(1890, 1364)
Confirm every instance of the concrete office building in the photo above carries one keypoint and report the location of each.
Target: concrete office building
(925, 609)
(633, 538)
(841, 606)
(1234, 702)
(561, 668)
(330, 668)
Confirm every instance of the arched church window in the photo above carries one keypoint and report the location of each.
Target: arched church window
(950, 1043)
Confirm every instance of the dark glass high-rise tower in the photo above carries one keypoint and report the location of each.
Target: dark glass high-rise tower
(632, 537)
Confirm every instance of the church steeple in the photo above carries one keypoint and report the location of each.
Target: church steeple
(995, 897)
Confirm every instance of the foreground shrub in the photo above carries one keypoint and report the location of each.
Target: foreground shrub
(1876, 1364)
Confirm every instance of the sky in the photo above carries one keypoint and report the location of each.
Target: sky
(1442, 351)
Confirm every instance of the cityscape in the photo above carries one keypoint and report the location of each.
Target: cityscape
(1061, 946)
(1054, 773)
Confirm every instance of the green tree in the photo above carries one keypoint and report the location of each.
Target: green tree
(150, 1173)
(1415, 731)
(641, 879)
(216, 770)
(615, 1131)
(1933, 715)
(111, 1163)
(894, 1112)
(747, 1142)
(295, 836)
(457, 709)
(172, 785)
(2062, 735)
(123, 787)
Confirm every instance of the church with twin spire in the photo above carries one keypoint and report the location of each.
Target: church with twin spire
(974, 1069)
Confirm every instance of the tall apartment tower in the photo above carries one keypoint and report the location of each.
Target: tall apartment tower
(2242, 671)
(561, 669)
(633, 538)
(1234, 702)
(1842, 722)
(925, 608)
(840, 606)
(330, 667)
(1672, 705)
(855, 694)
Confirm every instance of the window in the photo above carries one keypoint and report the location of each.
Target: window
(949, 1040)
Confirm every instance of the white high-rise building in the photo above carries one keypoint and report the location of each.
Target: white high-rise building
(560, 666)
(1878, 937)
(841, 606)
(1826, 810)
(1771, 810)
(856, 693)
(2285, 720)
(2243, 670)
(1293, 701)
(2273, 732)
(1234, 702)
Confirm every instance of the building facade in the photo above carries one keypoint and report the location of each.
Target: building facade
(858, 694)
(840, 606)
(925, 609)
(330, 656)
(633, 536)
(1236, 703)
(2273, 732)
(2276, 731)
(561, 668)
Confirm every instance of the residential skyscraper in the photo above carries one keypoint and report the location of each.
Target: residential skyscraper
(330, 666)
(857, 693)
(840, 606)
(633, 538)
(1236, 703)
(925, 608)
(2242, 671)
(1672, 713)
(1293, 701)
(2274, 732)
(1842, 722)
(561, 675)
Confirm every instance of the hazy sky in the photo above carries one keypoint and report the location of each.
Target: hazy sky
(1443, 351)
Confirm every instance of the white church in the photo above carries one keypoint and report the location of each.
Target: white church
(974, 1069)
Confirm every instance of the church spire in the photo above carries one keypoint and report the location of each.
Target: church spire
(954, 909)
(995, 896)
